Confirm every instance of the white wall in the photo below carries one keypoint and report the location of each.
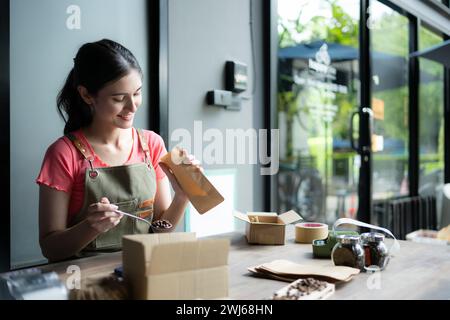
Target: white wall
(203, 35)
(42, 49)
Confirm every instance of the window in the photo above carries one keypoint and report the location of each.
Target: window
(389, 59)
(317, 92)
(431, 123)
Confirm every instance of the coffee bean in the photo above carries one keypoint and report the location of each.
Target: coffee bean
(301, 288)
(161, 224)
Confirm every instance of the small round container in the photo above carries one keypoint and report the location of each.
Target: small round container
(348, 252)
(161, 226)
(375, 251)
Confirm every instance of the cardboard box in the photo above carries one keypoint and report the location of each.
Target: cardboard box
(267, 227)
(175, 266)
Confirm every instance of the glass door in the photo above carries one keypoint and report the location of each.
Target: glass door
(317, 93)
(389, 55)
(389, 52)
(431, 115)
(332, 66)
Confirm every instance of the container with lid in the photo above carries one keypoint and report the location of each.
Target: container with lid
(322, 247)
(348, 252)
(375, 251)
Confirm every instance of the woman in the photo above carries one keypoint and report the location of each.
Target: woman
(102, 163)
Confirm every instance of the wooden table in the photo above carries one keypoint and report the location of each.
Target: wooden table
(418, 271)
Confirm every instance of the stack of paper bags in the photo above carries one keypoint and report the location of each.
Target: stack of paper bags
(289, 271)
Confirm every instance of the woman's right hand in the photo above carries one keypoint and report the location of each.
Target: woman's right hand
(101, 216)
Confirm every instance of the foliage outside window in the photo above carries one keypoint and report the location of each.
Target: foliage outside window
(431, 118)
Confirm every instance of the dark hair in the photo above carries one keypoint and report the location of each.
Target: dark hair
(95, 64)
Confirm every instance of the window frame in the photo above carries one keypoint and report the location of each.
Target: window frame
(5, 226)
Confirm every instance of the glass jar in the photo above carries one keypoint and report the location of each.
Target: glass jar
(348, 252)
(375, 251)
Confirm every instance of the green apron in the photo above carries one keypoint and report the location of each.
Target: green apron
(131, 187)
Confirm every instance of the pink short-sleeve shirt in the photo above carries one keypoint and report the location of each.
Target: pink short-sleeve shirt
(64, 167)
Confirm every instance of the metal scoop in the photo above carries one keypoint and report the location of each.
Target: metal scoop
(132, 216)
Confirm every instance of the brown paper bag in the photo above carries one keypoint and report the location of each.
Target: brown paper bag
(286, 269)
(199, 190)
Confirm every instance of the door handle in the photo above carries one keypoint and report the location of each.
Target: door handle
(362, 146)
(367, 144)
(352, 140)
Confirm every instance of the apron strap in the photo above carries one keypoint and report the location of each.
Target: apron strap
(80, 146)
(144, 146)
(86, 152)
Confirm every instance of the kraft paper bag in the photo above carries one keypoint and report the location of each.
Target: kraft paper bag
(202, 194)
(286, 270)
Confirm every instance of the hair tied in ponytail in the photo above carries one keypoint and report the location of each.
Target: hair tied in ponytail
(95, 65)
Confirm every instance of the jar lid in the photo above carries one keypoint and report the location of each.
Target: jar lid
(347, 239)
(372, 237)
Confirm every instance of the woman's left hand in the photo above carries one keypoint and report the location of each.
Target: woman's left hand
(187, 159)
